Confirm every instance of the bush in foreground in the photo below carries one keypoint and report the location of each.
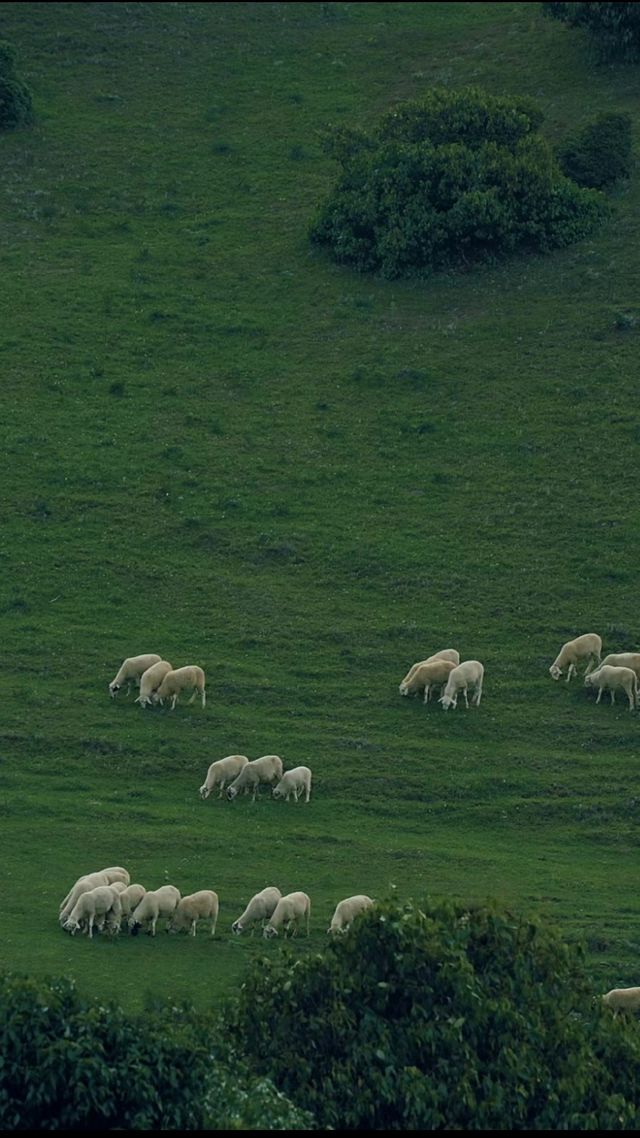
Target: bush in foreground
(441, 1018)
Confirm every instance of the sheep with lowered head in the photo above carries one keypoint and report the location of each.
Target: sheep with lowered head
(131, 897)
(91, 881)
(266, 769)
(131, 670)
(156, 903)
(451, 654)
(290, 912)
(623, 660)
(199, 906)
(469, 674)
(608, 678)
(189, 678)
(261, 906)
(95, 907)
(584, 649)
(221, 772)
(347, 910)
(296, 782)
(432, 674)
(623, 999)
(150, 681)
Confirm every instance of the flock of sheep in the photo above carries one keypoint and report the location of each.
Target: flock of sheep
(158, 680)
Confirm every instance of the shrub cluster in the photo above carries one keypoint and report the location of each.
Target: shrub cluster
(460, 177)
(16, 108)
(615, 27)
(600, 154)
(438, 1018)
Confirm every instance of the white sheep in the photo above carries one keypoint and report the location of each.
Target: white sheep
(587, 647)
(131, 670)
(156, 903)
(95, 907)
(267, 769)
(294, 782)
(150, 681)
(608, 678)
(451, 654)
(347, 911)
(131, 897)
(290, 911)
(198, 906)
(182, 679)
(261, 906)
(623, 999)
(623, 660)
(431, 674)
(91, 881)
(221, 772)
(468, 674)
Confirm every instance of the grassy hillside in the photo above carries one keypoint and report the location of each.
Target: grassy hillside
(222, 448)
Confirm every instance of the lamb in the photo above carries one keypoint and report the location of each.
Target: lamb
(623, 999)
(608, 678)
(290, 910)
(261, 906)
(623, 660)
(469, 673)
(587, 647)
(131, 670)
(221, 772)
(446, 654)
(182, 679)
(294, 782)
(156, 903)
(131, 897)
(197, 906)
(95, 907)
(268, 768)
(150, 681)
(347, 910)
(91, 881)
(433, 673)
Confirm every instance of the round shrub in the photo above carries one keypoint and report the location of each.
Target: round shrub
(600, 155)
(615, 27)
(16, 108)
(441, 1017)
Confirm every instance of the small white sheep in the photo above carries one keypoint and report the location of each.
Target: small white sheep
(451, 654)
(95, 907)
(131, 670)
(347, 911)
(584, 648)
(198, 906)
(623, 999)
(623, 660)
(156, 903)
(468, 674)
(608, 678)
(431, 674)
(221, 772)
(91, 881)
(290, 911)
(131, 897)
(294, 782)
(150, 681)
(182, 679)
(267, 769)
(261, 906)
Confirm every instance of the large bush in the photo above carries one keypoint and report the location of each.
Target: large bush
(600, 154)
(441, 1018)
(16, 108)
(615, 27)
(457, 178)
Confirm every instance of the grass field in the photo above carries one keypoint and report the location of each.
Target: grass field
(223, 448)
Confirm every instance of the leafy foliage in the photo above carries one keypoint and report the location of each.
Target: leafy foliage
(600, 154)
(442, 1018)
(16, 108)
(615, 26)
(460, 177)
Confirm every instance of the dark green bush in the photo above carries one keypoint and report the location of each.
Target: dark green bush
(441, 1018)
(458, 178)
(67, 1063)
(615, 27)
(600, 155)
(16, 108)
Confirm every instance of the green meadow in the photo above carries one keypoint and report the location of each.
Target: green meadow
(223, 448)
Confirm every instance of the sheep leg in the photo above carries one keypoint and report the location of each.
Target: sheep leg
(153, 926)
(204, 698)
(426, 693)
(464, 692)
(478, 693)
(570, 670)
(308, 793)
(192, 930)
(91, 927)
(613, 696)
(599, 694)
(173, 702)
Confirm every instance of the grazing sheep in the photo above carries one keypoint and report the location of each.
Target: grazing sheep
(290, 910)
(182, 679)
(294, 782)
(150, 681)
(261, 906)
(446, 654)
(623, 660)
(347, 910)
(268, 768)
(95, 907)
(434, 673)
(221, 772)
(587, 647)
(91, 881)
(156, 903)
(195, 907)
(623, 999)
(131, 670)
(607, 678)
(131, 897)
(468, 674)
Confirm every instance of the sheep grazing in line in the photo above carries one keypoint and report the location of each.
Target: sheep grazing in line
(623, 999)
(131, 670)
(468, 674)
(290, 911)
(294, 782)
(347, 911)
(623, 660)
(156, 903)
(91, 881)
(608, 678)
(199, 906)
(430, 675)
(261, 906)
(150, 681)
(267, 769)
(586, 648)
(131, 897)
(451, 654)
(95, 907)
(221, 772)
(191, 677)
